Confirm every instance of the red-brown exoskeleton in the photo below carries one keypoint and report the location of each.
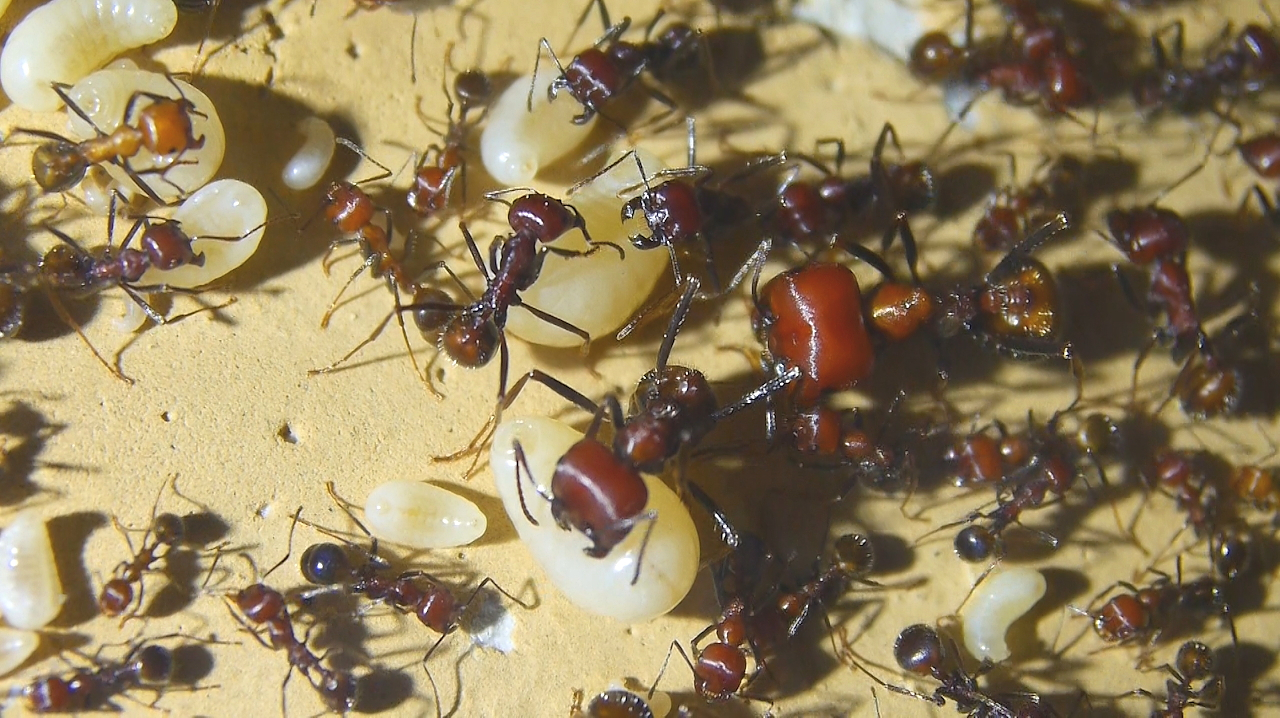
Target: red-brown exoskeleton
(1246, 65)
(147, 665)
(1194, 663)
(442, 165)
(1013, 212)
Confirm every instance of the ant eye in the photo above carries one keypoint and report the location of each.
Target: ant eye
(323, 562)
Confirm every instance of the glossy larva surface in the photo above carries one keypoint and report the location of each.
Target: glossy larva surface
(1001, 599)
(422, 515)
(30, 591)
(305, 168)
(601, 586)
(599, 293)
(226, 208)
(104, 95)
(16, 646)
(64, 40)
(516, 143)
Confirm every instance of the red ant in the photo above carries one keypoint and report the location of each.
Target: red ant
(1245, 66)
(146, 665)
(440, 166)
(163, 128)
(1194, 662)
(611, 66)
(1012, 212)
(919, 650)
(613, 703)
(165, 532)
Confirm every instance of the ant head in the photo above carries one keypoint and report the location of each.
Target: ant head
(471, 338)
(935, 57)
(338, 689)
(348, 206)
(543, 217)
(58, 166)
(324, 564)
(1194, 661)
(154, 665)
(975, 543)
(168, 247)
(1146, 234)
(259, 603)
(115, 597)
(1207, 387)
(166, 127)
(168, 529)
(913, 186)
(918, 649)
(686, 388)
(1020, 308)
(719, 671)
(472, 88)
(854, 555)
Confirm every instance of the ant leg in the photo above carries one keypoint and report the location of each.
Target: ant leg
(764, 391)
(678, 318)
(289, 548)
(386, 171)
(902, 229)
(558, 323)
(522, 461)
(836, 142)
(674, 645)
(605, 170)
(869, 256)
(1055, 226)
(333, 305)
(66, 317)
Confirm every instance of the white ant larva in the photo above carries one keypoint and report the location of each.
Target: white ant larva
(600, 585)
(600, 292)
(105, 94)
(64, 40)
(30, 591)
(422, 515)
(517, 143)
(16, 646)
(310, 162)
(1001, 599)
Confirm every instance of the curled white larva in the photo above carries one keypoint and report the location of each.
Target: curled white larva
(309, 163)
(422, 515)
(105, 94)
(16, 646)
(517, 143)
(1001, 599)
(30, 591)
(226, 208)
(64, 40)
(598, 585)
(599, 293)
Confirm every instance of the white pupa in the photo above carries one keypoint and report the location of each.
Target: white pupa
(422, 515)
(517, 143)
(1001, 599)
(30, 591)
(601, 292)
(305, 168)
(599, 585)
(226, 208)
(64, 40)
(105, 94)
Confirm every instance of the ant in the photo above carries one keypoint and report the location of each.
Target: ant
(1244, 66)
(820, 431)
(165, 533)
(163, 128)
(146, 665)
(919, 650)
(441, 165)
(613, 703)
(611, 66)
(1194, 662)
(1013, 211)
(806, 210)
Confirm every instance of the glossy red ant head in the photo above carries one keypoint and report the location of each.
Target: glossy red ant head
(1172, 470)
(430, 321)
(596, 493)
(348, 207)
(154, 665)
(1259, 48)
(618, 703)
(1146, 234)
(918, 650)
(898, 310)
(542, 217)
(58, 166)
(975, 543)
(116, 596)
(1121, 618)
(593, 78)
(999, 228)
(671, 407)
(802, 212)
(811, 317)
(166, 127)
(259, 603)
(13, 310)
(671, 210)
(719, 671)
(471, 338)
(1065, 85)
(687, 389)
(935, 57)
(168, 247)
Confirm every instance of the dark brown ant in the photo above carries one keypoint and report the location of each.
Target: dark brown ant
(1194, 663)
(262, 605)
(163, 128)
(1012, 212)
(613, 703)
(611, 66)
(442, 165)
(165, 532)
(919, 650)
(147, 665)
(1246, 65)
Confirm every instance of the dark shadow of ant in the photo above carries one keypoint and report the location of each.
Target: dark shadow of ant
(1248, 662)
(192, 663)
(383, 689)
(24, 433)
(183, 565)
(68, 534)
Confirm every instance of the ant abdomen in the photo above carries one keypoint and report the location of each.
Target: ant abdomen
(934, 57)
(324, 564)
(259, 603)
(975, 543)
(918, 649)
(58, 166)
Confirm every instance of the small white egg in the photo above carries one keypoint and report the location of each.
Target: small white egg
(64, 40)
(599, 293)
(517, 143)
(225, 208)
(16, 646)
(1001, 599)
(599, 585)
(312, 159)
(30, 592)
(422, 515)
(104, 95)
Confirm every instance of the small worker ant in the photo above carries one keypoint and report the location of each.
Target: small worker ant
(1193, 663)
(166, 531)
(1246, 65)
(1013, 211)
(147, 665)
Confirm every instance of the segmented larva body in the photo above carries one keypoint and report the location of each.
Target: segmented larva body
(65, 40)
